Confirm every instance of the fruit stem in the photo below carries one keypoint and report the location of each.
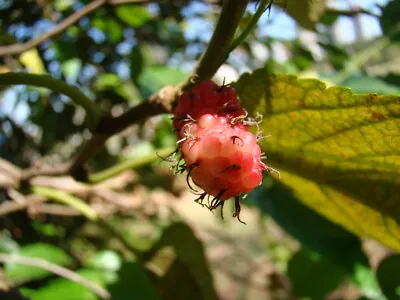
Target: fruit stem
(262, 7)
(219, 47)
(130, 164)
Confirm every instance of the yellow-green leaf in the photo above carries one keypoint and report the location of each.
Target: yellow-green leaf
(339, 152)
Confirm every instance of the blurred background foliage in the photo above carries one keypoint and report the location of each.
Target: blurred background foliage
(119, 55)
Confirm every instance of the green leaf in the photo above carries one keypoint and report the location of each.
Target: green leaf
(388, 276)
(7, 244)
(306, 12)
(337, 151)
(133, 15)
(110, 27)
(71, 69)
(313, 275)
(179, 272)
(133, 283)
(190, 254)
(154, 78)
(19, 273)
(317, 234)
(390, 19)
(64, 289)
(365, 84)
(136, 63)
(106, 259)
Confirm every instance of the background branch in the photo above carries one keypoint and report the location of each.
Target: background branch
(350, 12)
(214, 56)
(72, 19)
(60, 271)
(67, 199)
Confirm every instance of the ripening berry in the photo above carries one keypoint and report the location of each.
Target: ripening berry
(221, 155)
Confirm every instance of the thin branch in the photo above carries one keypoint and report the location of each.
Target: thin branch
(19, 48)
(156, 104)
(56, 85)
(12, 206)
(67, 199)
(57, 170)
(55, 269)
(163, 101)
(9, 168)
(219, 47)
(262, 7)
(129, 164)
(351, 12)
(127, 2)
(62, 26)
(53, 209)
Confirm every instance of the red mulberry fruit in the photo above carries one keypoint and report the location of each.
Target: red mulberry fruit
(221, 155)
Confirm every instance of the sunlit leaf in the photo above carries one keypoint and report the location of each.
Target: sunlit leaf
(71, 69)
(18, 273)
(133, 15)
(64, 289)
(317, 234)
(337, 151)
(106, 260)
(32, 61)
(110, 27)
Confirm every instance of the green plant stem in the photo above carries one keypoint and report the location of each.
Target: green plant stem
(130, 164)
(219, 47)
(67, 199)
(56, 85)
(55, 269)
(86, 211)
(262, 6)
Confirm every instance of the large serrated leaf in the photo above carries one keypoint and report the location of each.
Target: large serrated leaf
(338, 152)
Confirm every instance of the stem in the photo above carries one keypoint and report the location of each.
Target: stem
(56, 85)
(86, 211)
(262, 6)
(58, 270)
(130, 164)
(219, 47)
(163, 101)
(72, 19)
(67, 199)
